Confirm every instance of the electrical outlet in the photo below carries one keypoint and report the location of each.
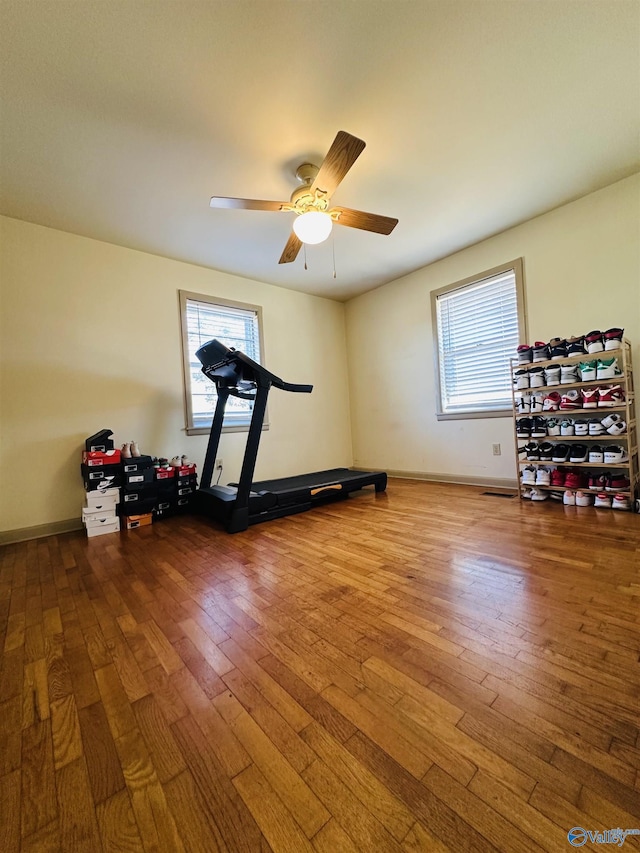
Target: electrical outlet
(497, 451)
(218, 465)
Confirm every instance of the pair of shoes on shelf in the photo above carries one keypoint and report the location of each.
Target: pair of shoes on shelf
(579, 498)
(130, 449)
(179, 461)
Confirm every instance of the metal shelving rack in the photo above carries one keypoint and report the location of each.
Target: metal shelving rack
(628, 412)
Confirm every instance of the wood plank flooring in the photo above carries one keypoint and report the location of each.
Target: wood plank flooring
(428, 669)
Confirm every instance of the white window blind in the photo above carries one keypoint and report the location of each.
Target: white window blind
(236, 327)
(477, 336)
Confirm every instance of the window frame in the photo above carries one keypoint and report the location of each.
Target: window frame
(517, 267)
(185, 296)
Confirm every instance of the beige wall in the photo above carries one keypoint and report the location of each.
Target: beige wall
(90, 338)
(582, 272)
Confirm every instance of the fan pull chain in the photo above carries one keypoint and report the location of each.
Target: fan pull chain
(304, 246)
(333, 249)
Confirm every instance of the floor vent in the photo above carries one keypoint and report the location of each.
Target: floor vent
(497, 495)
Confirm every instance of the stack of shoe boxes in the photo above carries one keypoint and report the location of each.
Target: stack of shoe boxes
(102, 478)
(139, 492)
(176, 485)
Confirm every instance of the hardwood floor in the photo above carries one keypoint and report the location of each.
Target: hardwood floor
(428, 669)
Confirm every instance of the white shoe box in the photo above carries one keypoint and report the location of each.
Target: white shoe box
(90, 515)
(102, 498)
(101, 525)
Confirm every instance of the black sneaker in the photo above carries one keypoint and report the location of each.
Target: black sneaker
(561, 452)
(538, 427)
(523, 427)
(579, 453)
(540, 351)
(533, 451)
(546, 451)
(575, 346)
(557, 349)
(524, 354)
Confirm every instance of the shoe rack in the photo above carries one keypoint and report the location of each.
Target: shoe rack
(628, 440)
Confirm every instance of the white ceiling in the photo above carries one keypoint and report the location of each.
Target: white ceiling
(120, 118)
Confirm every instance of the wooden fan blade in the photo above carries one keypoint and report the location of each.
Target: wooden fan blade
(343, 153)
(364, 221)
(246, 203)
(291, 249)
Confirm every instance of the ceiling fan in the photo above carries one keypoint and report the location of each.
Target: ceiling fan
(311, 200)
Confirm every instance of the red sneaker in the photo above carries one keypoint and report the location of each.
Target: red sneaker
(557, 477)
(590, 397)
(613, 396)
(576, 480)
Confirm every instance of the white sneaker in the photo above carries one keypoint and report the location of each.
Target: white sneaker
(185, 460)
(520, 380)
(621, 502)
(588, 371)
(569, 374)
(608, 368)
(603, 500)
(529, 475)
(553, 427)
(523, 404)
(135, 450)
(567, 427)
(536, 377)
(126, 450)
(614, 455)
(536, 402)
(596, 454)
(538, 495)
(583, 499)
(617, 429)
(176, 462)
(610, 420)
(543, 477)
(526, 494)
(552, 375)
(569, 498)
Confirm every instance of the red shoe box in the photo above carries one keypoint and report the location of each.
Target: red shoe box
(165, 473)
(93, 458)
(186, 470)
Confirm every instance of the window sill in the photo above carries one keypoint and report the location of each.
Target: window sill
(207, 430)
(458, 416)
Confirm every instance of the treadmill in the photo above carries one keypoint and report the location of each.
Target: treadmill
(238, 505)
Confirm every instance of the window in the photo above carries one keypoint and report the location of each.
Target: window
(478, 324)
(235, 324)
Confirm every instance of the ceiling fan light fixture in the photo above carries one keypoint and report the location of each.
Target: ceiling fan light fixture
(312, 227)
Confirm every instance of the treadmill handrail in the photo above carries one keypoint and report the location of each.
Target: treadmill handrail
(291, 386)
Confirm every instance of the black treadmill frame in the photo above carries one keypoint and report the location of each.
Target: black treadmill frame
(235, 512)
